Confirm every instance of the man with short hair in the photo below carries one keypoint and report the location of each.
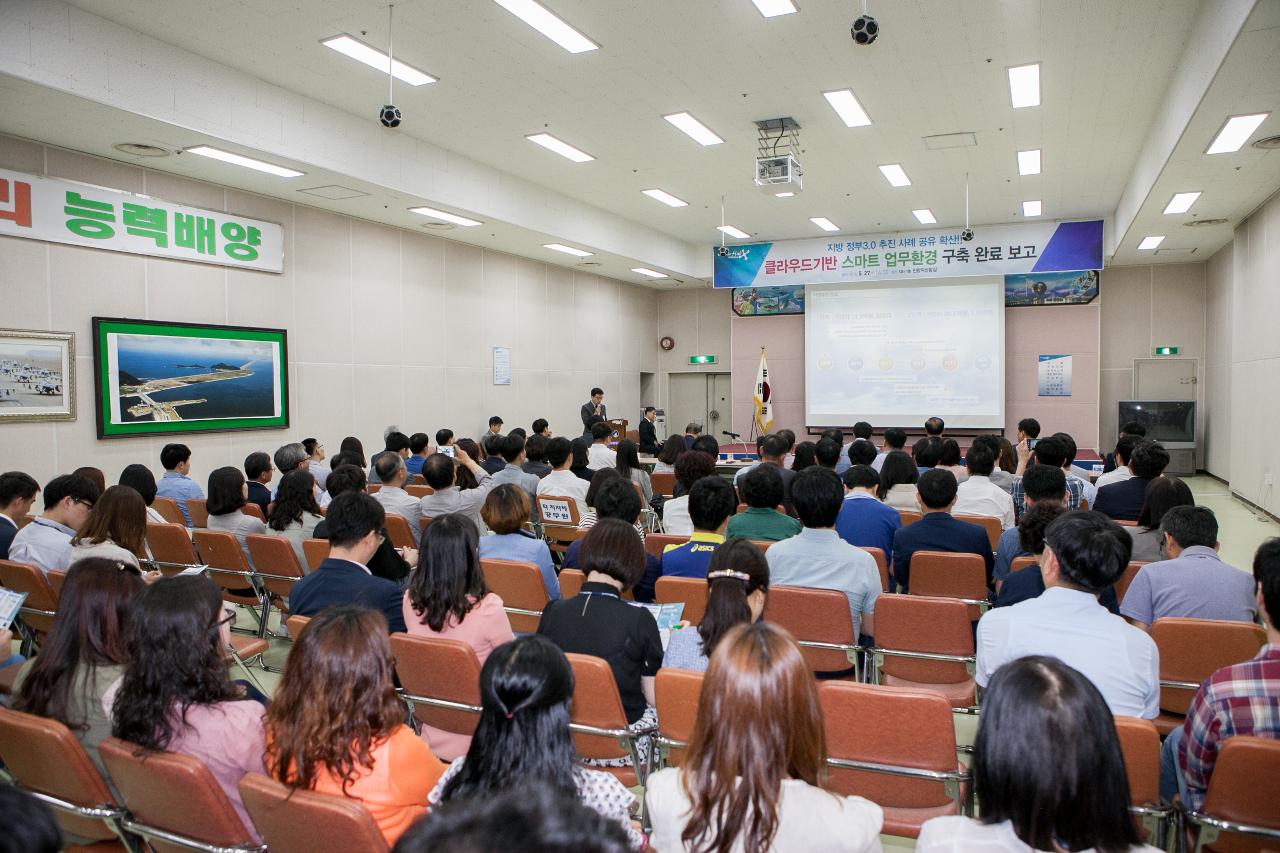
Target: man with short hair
(562, 482)
(1123, 501)
(691, 432)
(541, 427)
(977, 495)
(934, 427)
(512, 453)
(1028, 430)
(762, 492)
(1139, 431)
(257, 473)
(864, 520)
(315, 455)
(648, 432)
(860, 452)
(708, 445)
(291, 457)
(927, 452)
(617, 498)
(17, 493)
(492, 447)
(354, 525)
(861, 432)
(444, 438)
(1088, 491)
(535, 452)
(1123, 453)
(1041, 484)
(711, 503)
(593, 408)
(46, 541)
(419, 450)
(397, 443)
(394, 499)
(772, 450)
(388, 561)
(937, 530)
(895, 438)
(599, 454)
(1049, 450)
(1192, 581)
(441, 473)
(817, 557)
(1085, 552)
(176, 482)
(495, 427)
(827, 453)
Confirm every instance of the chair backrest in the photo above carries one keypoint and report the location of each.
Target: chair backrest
(169, 510)
(41, 600)
(174, 793)
(908, 517)
(1126, 578)
(43, 755)
(942, 574)
(691, 591)
(558, 511)
(219, 549)
(296, 821)
(416, 480)
(663, 482)
(676, 692)
(198, 509)
(596, 703)
(295, 624)
(274, 555)
(882, 566)
(171, 543)
(1140, 745)
(316, 551)
(402, 535)
(988, 523)
(1191, 650)
(439, 669)
(519, 585)
(253, 509)
(914, 623)
(56, 580)
(1243, 789)
(373, 488)
(762, 544)
(1020, 563)
(424, 523)
(418, 490)
(656, 543)
(818, 615)
(571, 581)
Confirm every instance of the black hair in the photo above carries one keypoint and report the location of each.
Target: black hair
(817, 495)
(833, 433)
(1266, 575)
(789, 437)
(345, 458)
(310, 445)
(827, 452)
(692, 467)
(628, 453)
(256, 464)
(511, 447)
(937, 488)
(351, 517)
(1077, 795)
(595, 391)
(493, 444)
(519, 431)
(806, 456)
(558, 450)
(897, 469)
(927, 451)
(1124, 448)
(981, 459)
(351, 444)
(1163, 494)
(862, 429)
(862, 452)
(579, 446)
(1092, 550)
(617, 498)
(861, 476)
(443, 437)
(727, 596)
(387, 465)
(137, 477)
(1190, 526)
(539, 425)
(17, 484)
(895, 437)
(1068, 444)
(600, 431)
(439, 470)
(773, 447)
(74, 486)
(395, 442)
(648, 409)
(295, 497)
(1044, 483)
(419, 442)
(29, 824)
(950, 454)
(613, 547)
(173, 455)
(345, 478)
(1034, 522)
(1134, 428)
(1149, 459)
(762, 487)
(226, 490)
(494, 420)
(448, 582)
(707, 444)
(598, 479)
(711, 502)
(1051, 450)
(1030, 427)
(934, 426)
(535, 448)
(672, 449)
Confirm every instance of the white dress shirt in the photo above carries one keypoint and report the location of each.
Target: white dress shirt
(601, 456)
(1121, 660)
(566, 484)
(1118, 475)
(979, 496)
(675, 517)
(45, 544)
(396, 501)
(957, 834)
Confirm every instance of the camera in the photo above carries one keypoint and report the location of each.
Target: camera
(865, 30)
(389, 115)
(966, 234)
(722, 251)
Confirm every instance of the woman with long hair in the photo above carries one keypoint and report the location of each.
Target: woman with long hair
(462, 475)
(598, 479)
(578, 467)
(750, 778)
(295, 513)
(141, 480)
(1162, 495)
(116, 529)
(336, 725)
(1006, 462)
(351, 444)
(672, 449)
(1073, 796)
(806, 455)
(506, 511)
(176, 695)
(628, 466)
(523, 737)
(228, 493)
(737, 587)
(898, 476)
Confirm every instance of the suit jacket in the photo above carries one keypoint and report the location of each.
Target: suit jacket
(341, 582)
(385, 562)
(589, 410)
(648, 437)
(260, 495)
(493, 464)
(1028, 583)
(1123, 500)
(8, 530)
(938, 531)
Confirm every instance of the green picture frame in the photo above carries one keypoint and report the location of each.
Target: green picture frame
(155, 378)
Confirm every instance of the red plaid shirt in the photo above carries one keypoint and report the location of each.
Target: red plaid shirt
(1241, 699)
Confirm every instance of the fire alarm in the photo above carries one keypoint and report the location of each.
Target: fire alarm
(668, 343)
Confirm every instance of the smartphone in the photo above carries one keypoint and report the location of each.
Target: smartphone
(1032, 442)
(446, 449)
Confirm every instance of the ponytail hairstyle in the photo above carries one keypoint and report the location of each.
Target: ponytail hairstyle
(738, 568)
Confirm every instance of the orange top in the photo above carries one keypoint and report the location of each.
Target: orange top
(395, 789)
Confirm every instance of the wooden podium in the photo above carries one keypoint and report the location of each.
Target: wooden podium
(619, 430)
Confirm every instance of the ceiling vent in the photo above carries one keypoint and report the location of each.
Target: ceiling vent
(141, 149)
(591, 264)
(1175, 252)
(940, 141)
(1204, 223)
(334, 192)
(1268, 142)
(438, 226)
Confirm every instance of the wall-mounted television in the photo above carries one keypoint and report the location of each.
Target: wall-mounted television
(1170, 422)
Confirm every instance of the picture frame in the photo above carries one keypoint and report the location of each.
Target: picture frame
(37, 376)
(159, 378)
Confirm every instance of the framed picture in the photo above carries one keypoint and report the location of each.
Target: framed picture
(154, 378)
(37, 376)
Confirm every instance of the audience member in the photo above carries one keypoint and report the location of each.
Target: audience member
(671, 450)
(711, 503)
(176, 695)
(934, 427)
(290, 457)
(387, 561)
(1041, 484)
(562, 482)
(708, 445)
(1028, 429)
(93, 475)
(1162, 495)
(581, 456)
(861, 432)
(691, 431)
(750, 779)
(444, 438)
(258, 473)
(393, 475)
(1027, 583)
(806, 456)
(176, 483)
(227, 496)
(512, 453)
(397, 443)
(540, 427)
(116, 529)
(937, 529)
(949, 460)
(1006, 469)
(351, 444)
(466, 477)
(315, 455)
(535, 451)
(864, 521)
(1051, 451)
(1122, 453)
(628, 465)
(927, 452)
(45, 542)
(506, 511)
(737, 587)
(494, 427)
(17, 494)
(648, 433)
(139, 478)
(296, 513)
(772, 450)
(1075, 796)
(419, 450)
(336, 725)
(1133, 428)
(1085, 552)
(523, 738)
(1088, 491)
(493, 461)
(617, 499)
(691, 467)
(1192, 581)
(762, 491)
(599, 454)
(1123, 501)
(354, 528)
(1241, 699)
(895, 438)
(977, 495)
(30, 826)
(598, 479)
(818, 557)
(827, 453)
(898, 478)
(440, 472)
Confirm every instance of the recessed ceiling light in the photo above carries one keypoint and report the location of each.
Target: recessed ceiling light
(694, 129)
(1181, 202)
(733, 232)
(1031, 208)
(894, 174)
(374, 58)
(560, 147)
(1029, 162)
(650, 273)
(774, 8)
(824, 223)
(568, 250)
(784, 195)
(541, 19)
(241, 160)
(666, 198)
(1235, 133)
(1149, 243)
(1024, 85)
(925, 216)
(846, 105)
(444, 216)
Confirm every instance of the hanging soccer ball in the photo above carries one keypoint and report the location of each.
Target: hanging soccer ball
(389, 115)
(864, 30)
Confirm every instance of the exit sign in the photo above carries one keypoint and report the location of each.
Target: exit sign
(1166, 350)
(702, 359)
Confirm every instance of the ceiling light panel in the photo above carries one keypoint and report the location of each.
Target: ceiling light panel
(894, 174)
(1031, 208)
(648, 272)
(1181, 202)
(1150, 243)
(736, 233)
(445, 216)
(568, 250)
(787, 194)
(925, 216)
(1029, 162)
(846, 105)
(666, 198)
(559, 146)
(824, 223)
(694, 129)
(374, 58)
(544, 21)
(1024, 86)
(774, 8)
(1235, 133)
(246, 162)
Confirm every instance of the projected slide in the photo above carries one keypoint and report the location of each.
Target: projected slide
(897, 354)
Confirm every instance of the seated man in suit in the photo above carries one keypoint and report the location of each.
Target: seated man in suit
(389, 562)
(17, 494)
(354, 523)
(1123, 501)
(711, 503)
(937, 530)
(648, 432)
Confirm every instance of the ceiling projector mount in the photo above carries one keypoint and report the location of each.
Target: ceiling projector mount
(778, 169)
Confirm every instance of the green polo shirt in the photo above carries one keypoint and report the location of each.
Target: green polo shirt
(762, 523)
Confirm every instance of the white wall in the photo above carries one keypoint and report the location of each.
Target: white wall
(385, 325)
(1217, 363)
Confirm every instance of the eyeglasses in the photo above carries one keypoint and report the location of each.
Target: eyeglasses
(89, 504)
(228, 617)
(381, 539)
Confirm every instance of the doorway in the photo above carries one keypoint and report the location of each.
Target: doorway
(702, 398)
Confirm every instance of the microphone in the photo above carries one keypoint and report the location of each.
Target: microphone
(734, 435)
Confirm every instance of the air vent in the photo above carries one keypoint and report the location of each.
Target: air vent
(1175, 252)
(940, 141)
(1202, 223)
(591, 264)
(1267, 143)
(141, 149)
(334, 192)
(439, 226)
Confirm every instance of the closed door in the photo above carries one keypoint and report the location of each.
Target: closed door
(701, 398)
(1164, 379)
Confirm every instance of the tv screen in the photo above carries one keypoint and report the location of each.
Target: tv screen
(1167, 421)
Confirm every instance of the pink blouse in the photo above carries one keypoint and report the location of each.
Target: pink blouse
(228, 737)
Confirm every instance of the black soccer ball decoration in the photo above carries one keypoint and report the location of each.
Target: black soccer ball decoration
(865, 30)
(389, 115)
(966, 234)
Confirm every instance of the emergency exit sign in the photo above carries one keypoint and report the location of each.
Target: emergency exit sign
(1166, 350)
(702, 359)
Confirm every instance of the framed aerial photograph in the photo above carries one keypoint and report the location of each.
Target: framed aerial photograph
(154, 378)
(37, 376)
